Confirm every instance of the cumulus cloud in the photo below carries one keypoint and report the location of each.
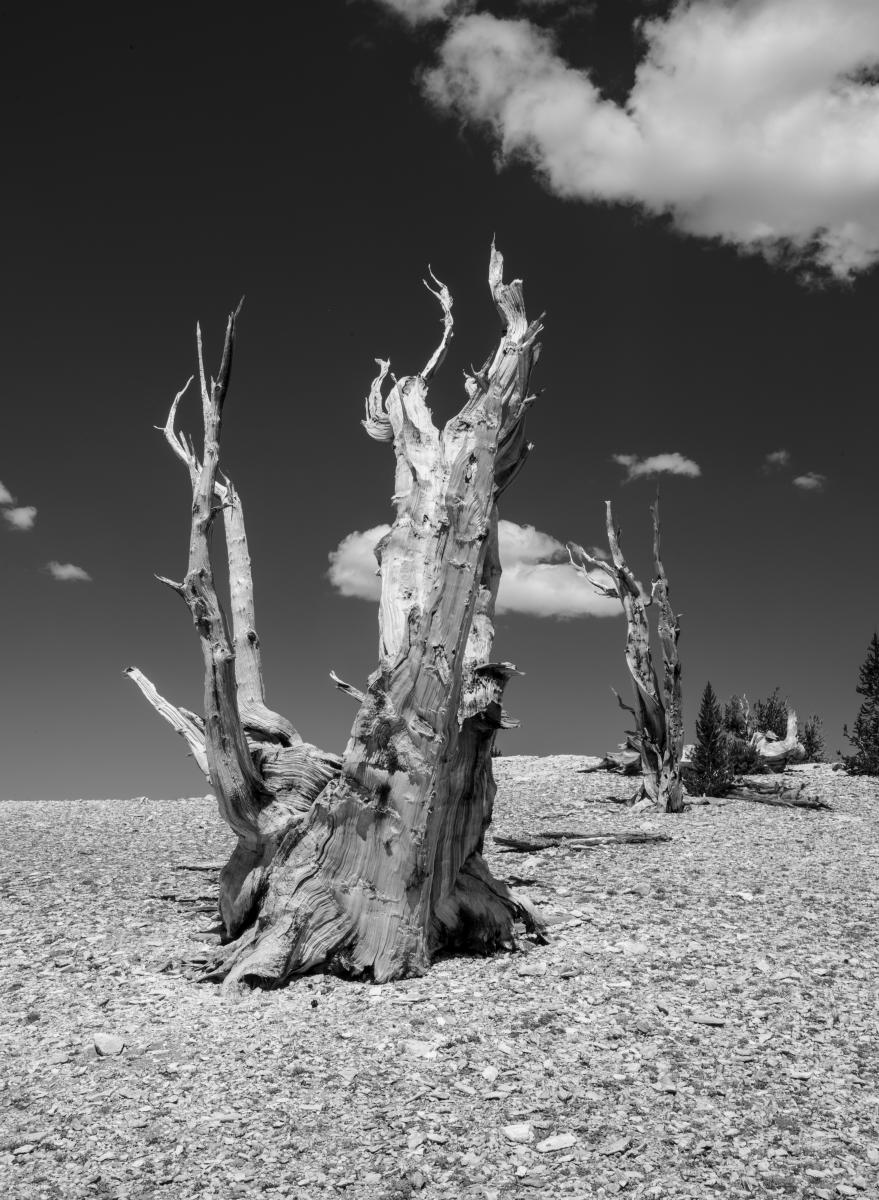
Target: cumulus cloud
(21, 518)
(777, 458)
(753, 123)
(67, 572)
(551, 590)
(6, 496)
(657, 464)
(810, 482)
(537, 577)
(353, 565)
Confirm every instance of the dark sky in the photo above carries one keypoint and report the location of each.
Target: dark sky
(159, 166)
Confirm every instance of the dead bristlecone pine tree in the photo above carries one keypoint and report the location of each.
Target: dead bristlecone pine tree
(659, 733)
(369, 864)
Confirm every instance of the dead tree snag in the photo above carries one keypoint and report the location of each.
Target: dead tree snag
(264, 776)
(659, 733)
(377, 870)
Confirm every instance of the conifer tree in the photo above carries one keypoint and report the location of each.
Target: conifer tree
(865, 734)
(738, 726)
(770, 715)
(710, 772)
(813, 740)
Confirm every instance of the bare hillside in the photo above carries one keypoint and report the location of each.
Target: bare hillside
(702, 1022)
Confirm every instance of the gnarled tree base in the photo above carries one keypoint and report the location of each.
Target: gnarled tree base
(297, 774)
(310, 929)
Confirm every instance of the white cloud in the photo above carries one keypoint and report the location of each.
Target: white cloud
(525, 544)
(6, 496)
(810, 482)
(21, 518)
(539, 581)
(537, 578)
(551, 590)
(67, 572)
(353, 566)
(657, 464)
(756, 123)
(777, 458)
(417, 11)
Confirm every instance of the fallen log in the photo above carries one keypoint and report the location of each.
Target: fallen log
(624, 761)
(778, 796)
(576, 840)
(786, 801)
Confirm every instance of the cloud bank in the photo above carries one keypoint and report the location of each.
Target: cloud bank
(657, 464)
(537, 579)
(21, 518)
(754, 123)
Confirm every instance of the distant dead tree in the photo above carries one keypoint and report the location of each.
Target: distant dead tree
(774, 752)
(369, 864)
(659, 733)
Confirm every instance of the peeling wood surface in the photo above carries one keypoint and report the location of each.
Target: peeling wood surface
(386, 868)
(756, 926)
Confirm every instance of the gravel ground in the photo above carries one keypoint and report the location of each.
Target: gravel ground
(702, 1023)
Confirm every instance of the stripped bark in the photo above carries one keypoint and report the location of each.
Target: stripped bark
(387, 868)
(658, 736)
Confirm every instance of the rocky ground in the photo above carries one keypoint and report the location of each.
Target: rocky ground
(702, 1023)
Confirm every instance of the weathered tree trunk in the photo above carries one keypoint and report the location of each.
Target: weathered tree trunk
(775, 753)
(264, 776)
(659, 735)
(379, 869)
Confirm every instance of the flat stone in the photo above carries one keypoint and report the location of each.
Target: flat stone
(519, 1133)
(108, 1044)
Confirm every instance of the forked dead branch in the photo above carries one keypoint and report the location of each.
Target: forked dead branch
(372, 863)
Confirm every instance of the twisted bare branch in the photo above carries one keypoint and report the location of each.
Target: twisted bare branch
(377, 423)
(443, 296)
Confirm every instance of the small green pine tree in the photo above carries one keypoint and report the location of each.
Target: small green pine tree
(865, 734)
(736, 717)
(710, 771)
(770, 715)
(738, 726)
(813, 740)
